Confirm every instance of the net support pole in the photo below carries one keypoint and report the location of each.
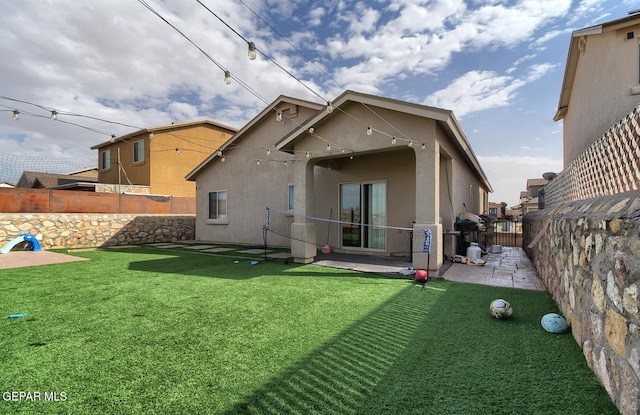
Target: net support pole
(265, 231)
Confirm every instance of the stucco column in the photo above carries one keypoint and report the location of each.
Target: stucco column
(303, 230)
(427, 208)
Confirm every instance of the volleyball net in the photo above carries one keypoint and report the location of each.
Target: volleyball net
(340, 233)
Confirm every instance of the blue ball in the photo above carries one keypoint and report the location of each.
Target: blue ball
(554, 323)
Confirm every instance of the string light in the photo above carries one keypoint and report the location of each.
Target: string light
(423, 146)
(328, 147)
(252, 51)
(307, 155)
(257, 162)
(177, 151)
(227, 77)
(329, 107)
(16, 115)
(410, 143)
(279, 116)
(54, 115)
(369, 130)
(268, 152)
(311, 130)
(150, 135)
(393, 140)
(113, 138)
(219, 153)
(222, 159)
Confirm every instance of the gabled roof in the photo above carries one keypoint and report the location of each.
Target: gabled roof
(163, 128)
(574, 52)
(536, 182)
(34, 179)
(269, 111)
(445, 119)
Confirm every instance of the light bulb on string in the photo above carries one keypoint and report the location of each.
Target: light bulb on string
(279, 116)
(227, 77)
(252, 51)
(307, 154)
(329, 107)
(222, 159)
(268, 152)
(328, 147)
(410, 143)
(113, 138)
(369, 130)
(16, 115)
(257, 162)
(219, 153)
(54, 115)
(393, 140)
(423, 146)
(150, 135)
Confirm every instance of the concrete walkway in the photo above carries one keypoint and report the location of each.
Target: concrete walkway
(510, 268)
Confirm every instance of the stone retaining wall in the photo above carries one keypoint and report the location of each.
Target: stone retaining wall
(93, 230)
(588, 254)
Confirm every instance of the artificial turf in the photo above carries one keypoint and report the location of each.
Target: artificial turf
(147, 331)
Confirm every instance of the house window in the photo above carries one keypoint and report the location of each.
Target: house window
(218, 205)
(138, 151)
(363, 211)
(493, 212)
(105, 160)
(290, 204)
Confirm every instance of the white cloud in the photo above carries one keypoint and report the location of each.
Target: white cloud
(483, 90)
(508, 174)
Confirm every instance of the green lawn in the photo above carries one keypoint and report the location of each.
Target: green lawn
(145, 330)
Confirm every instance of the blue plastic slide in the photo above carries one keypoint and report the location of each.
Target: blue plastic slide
(34, 245)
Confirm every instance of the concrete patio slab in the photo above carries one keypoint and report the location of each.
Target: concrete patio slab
(510, 268)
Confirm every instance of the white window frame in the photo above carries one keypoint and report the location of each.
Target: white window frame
(138, 151)
(105, 160)
(219, 218)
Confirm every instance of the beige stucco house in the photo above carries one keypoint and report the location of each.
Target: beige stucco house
(155, 160)
(362, 161)
(601, 82)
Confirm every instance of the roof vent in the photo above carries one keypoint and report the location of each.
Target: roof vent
(636, 11)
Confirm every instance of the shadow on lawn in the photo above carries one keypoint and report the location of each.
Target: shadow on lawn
(339, 376)
(233, 267)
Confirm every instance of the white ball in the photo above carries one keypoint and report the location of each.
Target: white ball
(500, 309)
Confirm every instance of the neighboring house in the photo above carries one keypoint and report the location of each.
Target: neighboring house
(80, 180)
(6, 185)
(529, 199)
(497, 210)
(371, 160)
(160, 157)
(601, 82)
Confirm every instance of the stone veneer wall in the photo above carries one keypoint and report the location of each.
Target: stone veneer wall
(588, 254)
(70, 230)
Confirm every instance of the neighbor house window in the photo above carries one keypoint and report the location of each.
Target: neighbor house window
(290, 204)
(138, 151)
(105, 161)
(218, 205)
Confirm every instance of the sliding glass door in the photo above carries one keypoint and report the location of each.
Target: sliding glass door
(364, 207)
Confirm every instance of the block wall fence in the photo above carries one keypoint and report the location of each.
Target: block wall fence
(587, 253)
(71, 230)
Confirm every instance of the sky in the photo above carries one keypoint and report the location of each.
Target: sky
(114, 66)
